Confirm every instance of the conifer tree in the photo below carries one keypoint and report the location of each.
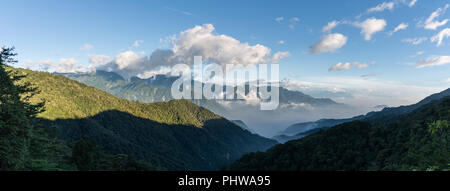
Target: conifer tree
(16, 114)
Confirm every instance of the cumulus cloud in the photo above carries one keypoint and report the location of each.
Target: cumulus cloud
(279, 19)
(280, 55)
(128, 59)
(131, 63)
(436, 61)
(43, 65)
(330, 26)
(65, 65)
(197, 41)
(347, 66)
(415, 41)
(86, 47)
(281, 42)
(68, 65)
(98, 60)
(381, 7)
(222, 49)
(431, 22)
(329, 43)
(445, 33)
(371, 26)
(401, 26)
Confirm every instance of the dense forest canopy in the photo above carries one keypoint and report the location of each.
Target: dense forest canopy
(416, 141)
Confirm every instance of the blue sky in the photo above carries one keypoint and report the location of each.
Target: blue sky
(382, 70)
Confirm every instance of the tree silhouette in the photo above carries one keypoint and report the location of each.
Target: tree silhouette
(16, 115)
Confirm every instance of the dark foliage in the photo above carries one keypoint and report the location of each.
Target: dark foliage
(416, 141)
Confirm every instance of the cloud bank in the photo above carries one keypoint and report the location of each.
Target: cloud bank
(197, 41)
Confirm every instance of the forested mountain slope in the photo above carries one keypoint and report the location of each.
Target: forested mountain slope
(419, 140)
(299, 130)
(174, 135)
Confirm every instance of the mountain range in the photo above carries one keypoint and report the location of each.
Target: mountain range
(180, 135)
(174, 135)
(414, 137)
(294, 105)
(300, 130)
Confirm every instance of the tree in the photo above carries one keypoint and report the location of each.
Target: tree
(16, 113)
(440, 147)
(85, 154)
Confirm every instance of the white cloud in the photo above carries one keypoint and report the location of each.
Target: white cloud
(436, 61)
(65, 65)
(371, 26)
(279, 19)
(415, 41)
(297, 105)
(162, 70)
(401, 26)
(137, 43)
(445, 33)
(280, 55)
(295, 20)
(330, 26)
(412, 3)
(222, 49)
(329, 43)
(281, 42)
(197, 41)
(130, 63)
(381, 7)
(86, 47)
(68, 65)
(431, 23)
(363, 92)
(347, 66)
(98, 60)
(127, 59)
(43, 65)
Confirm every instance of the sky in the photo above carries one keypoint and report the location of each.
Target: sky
(364, 53)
